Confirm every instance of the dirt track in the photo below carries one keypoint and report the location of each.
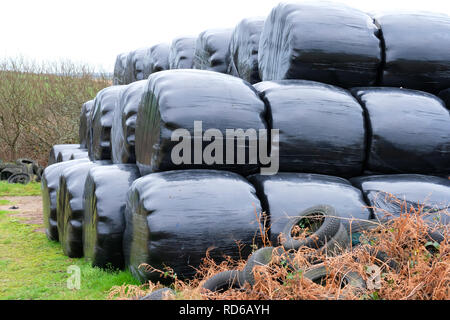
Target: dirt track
(30, 208)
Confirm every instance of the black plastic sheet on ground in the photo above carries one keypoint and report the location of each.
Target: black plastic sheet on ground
(326, 42)
(417, 47)
(212, 50)
(244, 46)
(392, 195)
(85, 117)
(57, 148)
(120, 69)
(321, 127)
(181, 55)
(102, 116)
(70, 210)
(104, 205)
(175, 99)
(409, 131)
(49, 187)
(286, 195)
(174, 217)
(124, 123)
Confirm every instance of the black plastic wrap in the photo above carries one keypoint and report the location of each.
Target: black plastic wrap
(176, 98)
(85, 118)
(320, 41)
(124, 123)
(181, 55)
(49, 187)
(104, 205)
(71, 154)
(173, 218)
(285, 195)
(137, 65)
(417, 49)
(321, 127)
(409, 131)
(57, 148)
(244, 46)
(120, 69)
(212, 50)
(102, 115)
(445, 96)
(159, 58)
(70, 210)
(392, 195)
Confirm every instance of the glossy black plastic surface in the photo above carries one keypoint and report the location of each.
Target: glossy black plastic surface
(320, 41)
(391, 195)
(57, 148)
(174, 99)
(120, 69)
(102, 115)
(244, 45)
(285, 195)
(212, 50)
(70, 210)
(409, 131)
(173, 217)
(181, 55)
(417, 50)
(321, 127)
(104, 205)
(124, 123)
(445, 96)
(85, 117)
(49, 187)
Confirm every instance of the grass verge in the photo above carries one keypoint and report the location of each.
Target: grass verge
(17, 189)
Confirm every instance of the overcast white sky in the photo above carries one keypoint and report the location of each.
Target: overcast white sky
(95, 31)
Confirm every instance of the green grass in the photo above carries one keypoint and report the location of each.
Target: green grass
(17, 189)
(31, 267)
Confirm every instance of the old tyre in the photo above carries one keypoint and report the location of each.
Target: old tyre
(325, 224)
(160, 294)
(224, 280)
(318, 273)
(22, 178)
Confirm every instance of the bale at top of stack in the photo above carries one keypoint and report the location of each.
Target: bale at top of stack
(212, 50)
(181, 54)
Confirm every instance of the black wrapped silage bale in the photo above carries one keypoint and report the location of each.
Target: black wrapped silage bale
(181, 55)
(85, 117)
(212, 50)
(120, 69)
(57, 148)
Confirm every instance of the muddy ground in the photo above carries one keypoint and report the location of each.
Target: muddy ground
(29, 207)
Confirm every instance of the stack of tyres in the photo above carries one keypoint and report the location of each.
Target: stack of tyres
(85, 117)
(181, 55)
(174, 217)
(49, 187)
(286, 195)
(120, 69)
(321, 127)
(212, 50)
(195, 101)
(244, 46)
(417, 50)
(124, 123)
(408, 131)
(320, 41)
(102, 115)
(104, 205)
(393, 195)
(65, 148)
(70, 209)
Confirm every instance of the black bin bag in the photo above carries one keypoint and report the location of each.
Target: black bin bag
(244, 46)
(57, 148)
(104, 205)
(181, 55)
(212, 50)
(409, 131)
(174, 217)
(321, 127)
(102, 115)
(124, 123)
(392, 195)
(320, 41)
(85, 124)
(69, 207)
(49, 187)
(286, 195)
(417, 49)
(120, 69)
(201, 100)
